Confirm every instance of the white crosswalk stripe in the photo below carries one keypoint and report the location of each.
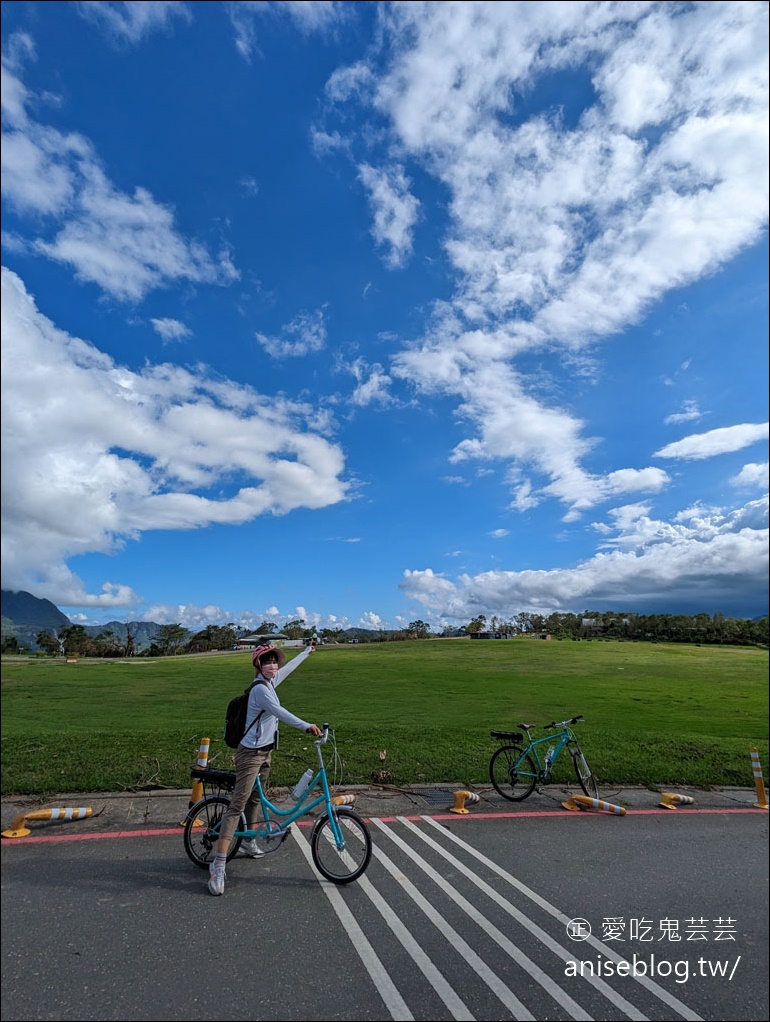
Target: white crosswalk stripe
(407, 882)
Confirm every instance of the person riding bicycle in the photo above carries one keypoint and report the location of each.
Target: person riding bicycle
(253, 755)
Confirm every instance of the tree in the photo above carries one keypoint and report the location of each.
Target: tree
(294, 629)
(48, 642)
(105, 644)
(266, 628)
(170, 638)
(418, 629)
(75, 640)
(478, 624)
(129, 641)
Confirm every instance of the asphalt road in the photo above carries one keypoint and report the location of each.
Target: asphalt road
(506, 912)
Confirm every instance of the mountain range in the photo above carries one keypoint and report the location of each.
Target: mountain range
(24, 616)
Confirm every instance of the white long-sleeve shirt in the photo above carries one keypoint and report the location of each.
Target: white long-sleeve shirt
(263, 699)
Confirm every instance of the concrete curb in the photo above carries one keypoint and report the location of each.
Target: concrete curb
(164, 808)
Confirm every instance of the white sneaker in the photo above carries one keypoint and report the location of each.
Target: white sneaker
(250, 847)
(216, 879)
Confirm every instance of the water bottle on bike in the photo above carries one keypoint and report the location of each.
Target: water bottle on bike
(300, 787)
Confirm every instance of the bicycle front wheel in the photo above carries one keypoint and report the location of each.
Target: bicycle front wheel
(341, 865)
(201, 830)
(512, 773)
(584, 773)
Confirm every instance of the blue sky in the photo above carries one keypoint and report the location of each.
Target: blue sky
(368, 313)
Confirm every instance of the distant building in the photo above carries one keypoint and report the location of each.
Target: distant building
(252, 641)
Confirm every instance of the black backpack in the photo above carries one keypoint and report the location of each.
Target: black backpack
(235, 718)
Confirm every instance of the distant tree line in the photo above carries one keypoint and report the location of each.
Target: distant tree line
(169, 640)
(174, 639)
(704, 629)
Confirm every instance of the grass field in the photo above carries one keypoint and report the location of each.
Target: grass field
(655, 714)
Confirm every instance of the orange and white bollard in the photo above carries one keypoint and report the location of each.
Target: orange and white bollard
(343, 800)
(671, 801)
(17, 828)
(197, 789)
(585, 802)
(203, 758)
(759, 781)
(461, 797)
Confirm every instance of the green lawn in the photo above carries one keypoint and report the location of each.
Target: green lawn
(655, 714)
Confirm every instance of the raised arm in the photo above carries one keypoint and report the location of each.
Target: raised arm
(268, 700)
(292, 665)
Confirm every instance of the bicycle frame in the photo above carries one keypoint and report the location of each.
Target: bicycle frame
(544, 766)
(340, 843)
(305, 804)
(517, 765)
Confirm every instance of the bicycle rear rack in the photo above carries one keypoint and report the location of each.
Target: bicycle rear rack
(217, 781)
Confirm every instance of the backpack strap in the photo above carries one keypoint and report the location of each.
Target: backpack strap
(251, 725)
(247, 692)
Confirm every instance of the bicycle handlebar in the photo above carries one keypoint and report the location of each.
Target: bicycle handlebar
(563, 723)
(324, 738)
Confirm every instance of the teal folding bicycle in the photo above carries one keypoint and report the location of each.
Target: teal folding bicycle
(515, 768)
(340, 843)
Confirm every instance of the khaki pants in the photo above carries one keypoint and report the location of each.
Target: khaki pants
(248, 763)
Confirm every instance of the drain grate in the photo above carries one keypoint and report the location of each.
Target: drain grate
(435, 796)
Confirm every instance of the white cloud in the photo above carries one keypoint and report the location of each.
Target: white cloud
(344, 83)
(126, 244)
(164, 448)
(689, 412)
(717, 441)
(395, 211)
(131, 20)
(372, 383)
(518, 428)
(325, 142)
(713, 556)
(249, 185)
(306, 333)
(371, 620)
(35, 176)
(562, 234)
(750, 476)
(307, 15)
(171, 329)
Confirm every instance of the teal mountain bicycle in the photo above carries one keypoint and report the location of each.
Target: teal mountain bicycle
(516, 768)
(340, 843)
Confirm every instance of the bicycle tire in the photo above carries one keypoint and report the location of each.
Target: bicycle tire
(341, 866)
(200, 837)
(505, 777)
(583, 772)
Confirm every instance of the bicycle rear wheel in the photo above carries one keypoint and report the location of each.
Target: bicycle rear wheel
(201, 830)
(583, 772)
(512, 773)
(341, 865)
